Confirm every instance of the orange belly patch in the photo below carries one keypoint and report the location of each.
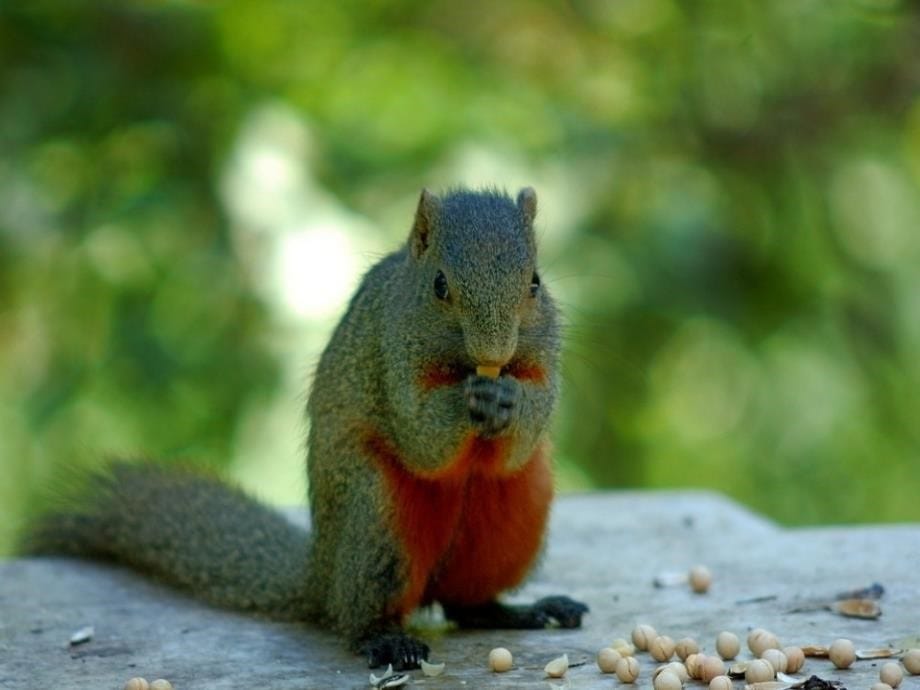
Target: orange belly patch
(498, 535)
(469, 531)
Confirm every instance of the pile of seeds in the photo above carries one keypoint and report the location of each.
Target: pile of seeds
(770, 667)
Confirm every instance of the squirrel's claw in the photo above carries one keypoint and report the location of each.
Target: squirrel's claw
(565, 611)
(403, 651)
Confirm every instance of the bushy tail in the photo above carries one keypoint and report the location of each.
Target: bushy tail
(190, 531)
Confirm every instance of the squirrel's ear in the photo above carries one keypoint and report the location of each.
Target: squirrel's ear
(527, 204)
(425, 218)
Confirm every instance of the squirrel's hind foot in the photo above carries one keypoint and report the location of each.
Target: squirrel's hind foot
(565, 611)
(559, 610)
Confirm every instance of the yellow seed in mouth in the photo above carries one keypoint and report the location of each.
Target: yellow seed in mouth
(490, 372)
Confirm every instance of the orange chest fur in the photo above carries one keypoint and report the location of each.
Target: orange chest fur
(472, 532)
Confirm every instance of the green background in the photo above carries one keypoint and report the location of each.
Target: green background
(729, 216)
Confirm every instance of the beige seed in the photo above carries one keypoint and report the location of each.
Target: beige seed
(137, 684)
(758, 671)
(880, 686)
(623, 647)
(842, 653)
(661, 648)
(815, 650)
(710, 667)
(685, 647)
(488, 372)
(727, 645)
(627, 669)
(753, 635)
(692, 663)
(760, 640)
(642, 636)
(795, 659)
(607, 659)
(700, 578)
(160, 684)
(777, 660)
(911, 661)
(877, 653)
(675, 667)
(431, 670)
(666, 680)
(891, 674)
(720, 683)
(500, 660)
(557, 667)
(679, 670)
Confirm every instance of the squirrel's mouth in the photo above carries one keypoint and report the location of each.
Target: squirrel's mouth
(453, 373)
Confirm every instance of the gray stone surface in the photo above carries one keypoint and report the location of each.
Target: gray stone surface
(605, 549)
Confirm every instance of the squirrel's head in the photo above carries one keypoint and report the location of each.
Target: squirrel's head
(474, 255)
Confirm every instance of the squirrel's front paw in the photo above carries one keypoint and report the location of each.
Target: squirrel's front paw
(492, 403)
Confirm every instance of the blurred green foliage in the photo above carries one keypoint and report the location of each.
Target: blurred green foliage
(730, 211)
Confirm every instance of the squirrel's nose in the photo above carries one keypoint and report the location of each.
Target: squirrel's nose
(491, 344)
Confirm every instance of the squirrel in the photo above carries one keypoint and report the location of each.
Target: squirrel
(428, 457)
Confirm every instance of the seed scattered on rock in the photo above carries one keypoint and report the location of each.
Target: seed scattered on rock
(389, 679)
(661, 648)
(500, 660)
(137, 684)
(720, 683)
(394, 681)
(666, 680)
(623, 647)
(891, 674)
(557, 667)
(692, 663)
(700, 579)
(816, 650)
(760, 640)
(857, 608)
(710, 667)
(431, 670)
(607, 659)
(758, 671)
(911, 661)
(842, 653)
(877, 653)
(642, 636)
(679, 670)
(795, 659)
(84, 634)
(777, 660)
(627, 669)
(727, 645)
(685, 647)
(161, 684)
(376, 682)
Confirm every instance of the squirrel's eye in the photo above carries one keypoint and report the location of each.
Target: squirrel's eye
(440, 286)
(534, 284)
